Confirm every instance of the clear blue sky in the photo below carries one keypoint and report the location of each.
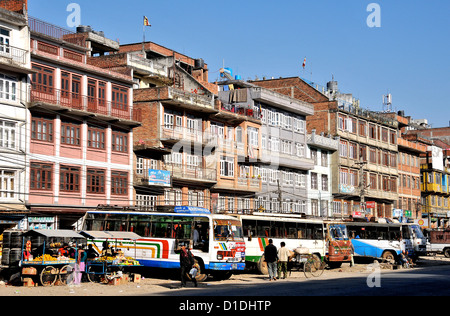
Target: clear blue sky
(408, 56)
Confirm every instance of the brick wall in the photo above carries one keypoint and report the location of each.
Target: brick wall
(148, 133)
(14, 5)
(293, 87)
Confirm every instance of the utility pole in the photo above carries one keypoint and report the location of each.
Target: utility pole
(362, 184)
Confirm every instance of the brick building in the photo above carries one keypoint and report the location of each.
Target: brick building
(364, 169)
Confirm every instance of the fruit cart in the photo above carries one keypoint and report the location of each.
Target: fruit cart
(110, 265)
(40, 261)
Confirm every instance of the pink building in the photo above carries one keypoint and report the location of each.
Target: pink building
(80, 125)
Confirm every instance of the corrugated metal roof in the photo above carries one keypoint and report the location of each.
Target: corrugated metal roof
(54, 233)
(110, 234)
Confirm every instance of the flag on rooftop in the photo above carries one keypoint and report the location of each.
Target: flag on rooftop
(146, 22)
(304, 63)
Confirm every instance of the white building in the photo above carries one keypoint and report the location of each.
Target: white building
(14, 70)
(319, 194)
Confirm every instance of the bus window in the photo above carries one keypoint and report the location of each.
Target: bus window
(382, 233)
(227, 230)
(277, 229)
(182, 227)
(162, 226)
(116, 222)
(94, 222)
(405, 232)
(249, 226)
(301, 230)
(371, 232)
(263, 229)
(291, 230)
(338, 232)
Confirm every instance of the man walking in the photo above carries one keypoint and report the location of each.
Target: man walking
(271, 257)
(283, 257)
(186, 263)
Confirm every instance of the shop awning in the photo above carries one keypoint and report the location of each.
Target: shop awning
(97, 234)
(64, 233)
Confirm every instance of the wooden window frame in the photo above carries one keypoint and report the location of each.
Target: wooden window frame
(40, 178)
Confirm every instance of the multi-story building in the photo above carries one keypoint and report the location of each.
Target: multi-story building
(275, 152)
(364, 169)
(14, 71)
(435, 171)
(319, 195)
(80, 125)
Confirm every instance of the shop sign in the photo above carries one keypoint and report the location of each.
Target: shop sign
(159, 177)
(370, 204)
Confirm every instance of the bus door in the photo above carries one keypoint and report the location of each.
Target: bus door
(200, 234)
(182, 231)
(407, 240)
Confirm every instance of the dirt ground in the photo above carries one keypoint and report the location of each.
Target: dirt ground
(163, 284)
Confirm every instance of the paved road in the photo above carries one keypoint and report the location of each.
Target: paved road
(429, 281)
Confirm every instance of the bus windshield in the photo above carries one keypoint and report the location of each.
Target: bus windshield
(338, 232)
(417, 231)
(227, 230)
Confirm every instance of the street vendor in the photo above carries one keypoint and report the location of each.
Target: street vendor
(64, 251)
(107, 251)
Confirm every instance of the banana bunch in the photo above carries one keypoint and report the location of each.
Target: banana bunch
(45, 258)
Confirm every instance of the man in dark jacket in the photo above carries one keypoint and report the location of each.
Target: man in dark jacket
(186, 263)
(271, 257)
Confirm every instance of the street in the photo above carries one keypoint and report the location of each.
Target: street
(431, 277)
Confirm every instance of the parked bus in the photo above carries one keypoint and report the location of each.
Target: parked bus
(216, 241)
(376, 240)
(327, 241)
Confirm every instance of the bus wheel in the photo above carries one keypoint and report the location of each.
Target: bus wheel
(262, 266)
(447, 252)
(388, 256)
(334, 264)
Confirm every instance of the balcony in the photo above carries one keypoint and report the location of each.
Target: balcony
(236, 114)
(417, 147)
(184, 173)
(173, 134)
(54, 31)
(56, 99)
(323, 142)
(191, 101)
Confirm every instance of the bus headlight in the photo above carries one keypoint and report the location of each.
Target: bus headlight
(219, 256)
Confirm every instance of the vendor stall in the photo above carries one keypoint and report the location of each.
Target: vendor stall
(111, 261)
(49, 256)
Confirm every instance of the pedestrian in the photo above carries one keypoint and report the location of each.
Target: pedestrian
(81, 264)
(186, 263)
(283, 258)
(271, 257)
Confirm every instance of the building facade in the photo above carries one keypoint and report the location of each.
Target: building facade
(14, 71)
(79, 126)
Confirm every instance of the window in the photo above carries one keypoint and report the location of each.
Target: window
(70, 134)
(96, 137)
(119, 98)
(119, 183)
(324, 182)
(42, 129)
(40, 176)
(69, 179)
(314, 181)
(253, 136)
(286, 147)
(8, 87)
(96, 181)
(372, 131)
(227, 166)
(7, 134)
(324, 158)
(300, 150)
(4, 40)
(353, 150)
(314, 155)
(362, 128)
(343, 151)
(7, 184)
(43, 79)
(119, 142)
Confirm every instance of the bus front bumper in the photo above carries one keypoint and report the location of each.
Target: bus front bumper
(226, 266)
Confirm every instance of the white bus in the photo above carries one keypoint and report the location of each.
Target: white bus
(326, 240)
(376, 240)
(216, 241)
